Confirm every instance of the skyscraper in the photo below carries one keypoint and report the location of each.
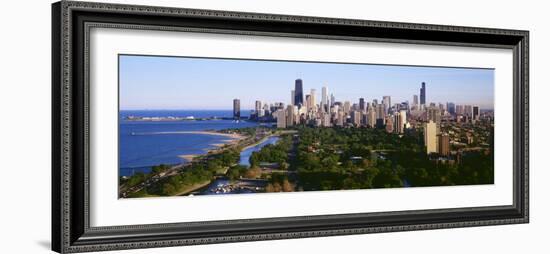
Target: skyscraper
(308, 103)
(324, 99)
(475, 113)
(443, 144)
(326, 120)
(298, 93)
(356, 118)
(281, 118)
(430, 141)
(362, 104)
(423, 94)
(415, 100)
(468, 110)
(380, 113)
(451, 108)
(347, 107)
(386, 100)
(340, 118)
(292, 97)
(237, 109)
(258, 109)
(434, 114)
(400, 121)
(389, 124)
(290, 115)
(313, 101)
(460, 109)
(371, 117)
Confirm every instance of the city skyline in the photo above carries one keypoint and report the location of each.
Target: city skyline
(184, 83)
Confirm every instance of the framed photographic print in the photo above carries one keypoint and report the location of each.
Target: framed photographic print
(181, 126)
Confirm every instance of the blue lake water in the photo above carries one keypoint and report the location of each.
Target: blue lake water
(141, 146)
(246, 153)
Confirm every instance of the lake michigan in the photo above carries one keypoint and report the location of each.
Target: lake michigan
(141, 144)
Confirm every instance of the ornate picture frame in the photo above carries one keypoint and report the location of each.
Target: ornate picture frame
(71, 24)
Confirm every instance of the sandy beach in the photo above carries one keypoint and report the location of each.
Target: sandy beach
(232, 139)
(228, 135)
(188, 157)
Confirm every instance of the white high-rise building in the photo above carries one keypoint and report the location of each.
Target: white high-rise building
(340, 118)
(308, 102)
(400, 121)
(281, 118)
(324, 99)
(347, 107)
(430, 137)
(386, 100)
(356, 118)
(371, 117)
(404, 116)
(258, 109)
(290, 112)
(434, 114)
(292, 95)
(326, 120)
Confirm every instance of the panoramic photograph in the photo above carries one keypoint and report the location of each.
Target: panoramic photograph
(192, 126)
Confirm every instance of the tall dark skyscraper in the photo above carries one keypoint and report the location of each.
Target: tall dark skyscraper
(362, 104)
(236, 109)
(423, 94)
(298, 93)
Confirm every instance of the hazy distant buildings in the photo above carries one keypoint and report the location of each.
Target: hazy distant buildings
(459, 109)
(468, 110)
(430, 137)
(451, 108)
(432, 117)
(434, 114)
(237, 109)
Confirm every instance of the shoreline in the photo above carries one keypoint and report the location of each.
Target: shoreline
(233, 139)
(213, 133)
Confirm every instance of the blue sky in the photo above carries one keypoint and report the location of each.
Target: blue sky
(153, 82)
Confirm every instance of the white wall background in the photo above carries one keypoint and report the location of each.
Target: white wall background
(25, 125)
